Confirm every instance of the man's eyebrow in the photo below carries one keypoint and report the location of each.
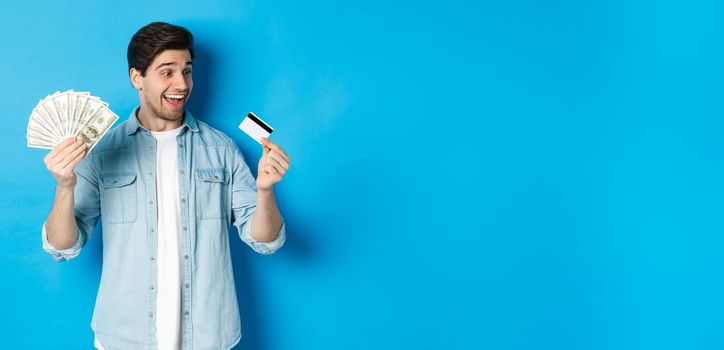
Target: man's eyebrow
(188, 63)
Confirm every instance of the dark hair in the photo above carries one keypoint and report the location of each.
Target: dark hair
(154, 38)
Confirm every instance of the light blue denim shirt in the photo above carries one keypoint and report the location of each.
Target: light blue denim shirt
(117, 183)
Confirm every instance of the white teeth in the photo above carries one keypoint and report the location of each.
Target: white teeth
(177, 97)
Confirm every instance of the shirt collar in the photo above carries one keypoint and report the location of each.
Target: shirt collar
(133, 125)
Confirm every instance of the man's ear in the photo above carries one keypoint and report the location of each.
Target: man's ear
(136, 78)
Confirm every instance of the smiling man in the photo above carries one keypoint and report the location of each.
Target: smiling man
(167, 188)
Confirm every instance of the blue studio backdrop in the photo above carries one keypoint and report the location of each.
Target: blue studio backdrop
(465, 175)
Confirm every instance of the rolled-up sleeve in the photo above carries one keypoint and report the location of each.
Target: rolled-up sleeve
(61, 255)
(265, 248)
(243, 205)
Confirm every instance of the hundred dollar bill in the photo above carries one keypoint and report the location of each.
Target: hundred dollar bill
(97, 126)
(35, 136)
(40, 116)
(60, 103)
(39, 144)
(89, 110)
(62, 115)
(78, 109)
(38, 126)
(50, 110)
(72, 96)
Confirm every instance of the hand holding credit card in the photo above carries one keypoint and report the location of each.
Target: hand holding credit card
(274, 161)
(255, 127)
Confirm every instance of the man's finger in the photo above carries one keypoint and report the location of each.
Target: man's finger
(72, 156)
(274, 146)
(276, 164)
(67, 151)
(276, 157)
(264, 148)
(61, 146)
(273, 170)
(77, 160)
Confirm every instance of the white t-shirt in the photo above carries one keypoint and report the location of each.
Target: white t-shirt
(168, 287)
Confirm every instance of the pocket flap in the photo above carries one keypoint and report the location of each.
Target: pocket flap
(212, 175)
(110, 180)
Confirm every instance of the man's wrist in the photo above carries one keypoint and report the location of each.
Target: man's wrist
(64, 188)
(265, 192)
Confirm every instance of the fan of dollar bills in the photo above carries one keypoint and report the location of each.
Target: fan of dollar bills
(67, 114)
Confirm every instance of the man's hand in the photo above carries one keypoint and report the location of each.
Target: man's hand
(273, 164)
(63, 159)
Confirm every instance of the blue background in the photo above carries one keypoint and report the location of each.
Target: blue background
(500, 175)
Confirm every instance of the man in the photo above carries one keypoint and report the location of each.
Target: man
(167, 188)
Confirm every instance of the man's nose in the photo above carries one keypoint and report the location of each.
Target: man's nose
(180, 83)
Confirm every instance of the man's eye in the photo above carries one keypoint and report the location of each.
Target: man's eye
(187, 72)
(166, 73)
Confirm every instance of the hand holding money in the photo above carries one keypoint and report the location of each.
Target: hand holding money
(62, 160)
(70, 123)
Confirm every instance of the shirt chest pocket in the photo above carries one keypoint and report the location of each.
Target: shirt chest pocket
(119, 204)
(211, 193)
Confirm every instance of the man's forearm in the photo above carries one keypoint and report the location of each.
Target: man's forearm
(61, 229)
(267, 219)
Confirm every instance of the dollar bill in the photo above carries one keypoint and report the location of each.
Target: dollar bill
(62, 115)
(71, 105)
(81, 100)
(39, 144)
(97, 126)
(35, 136)
(90, 109)
(60, 104)
(40, 124)
(51, 111)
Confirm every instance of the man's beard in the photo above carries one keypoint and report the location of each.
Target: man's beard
(161, 115)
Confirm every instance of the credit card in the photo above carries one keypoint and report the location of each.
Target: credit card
(255, 127)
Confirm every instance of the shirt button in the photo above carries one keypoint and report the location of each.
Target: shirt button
(151, 287)
(183, 200)
(150, 315)
(186, 257)
(151, 230)
(186, 312)
(185, 228)
(150, 174)
(186, 285)
(152, 258)
(150, 202)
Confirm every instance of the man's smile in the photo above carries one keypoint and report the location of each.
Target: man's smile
(175, 101)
